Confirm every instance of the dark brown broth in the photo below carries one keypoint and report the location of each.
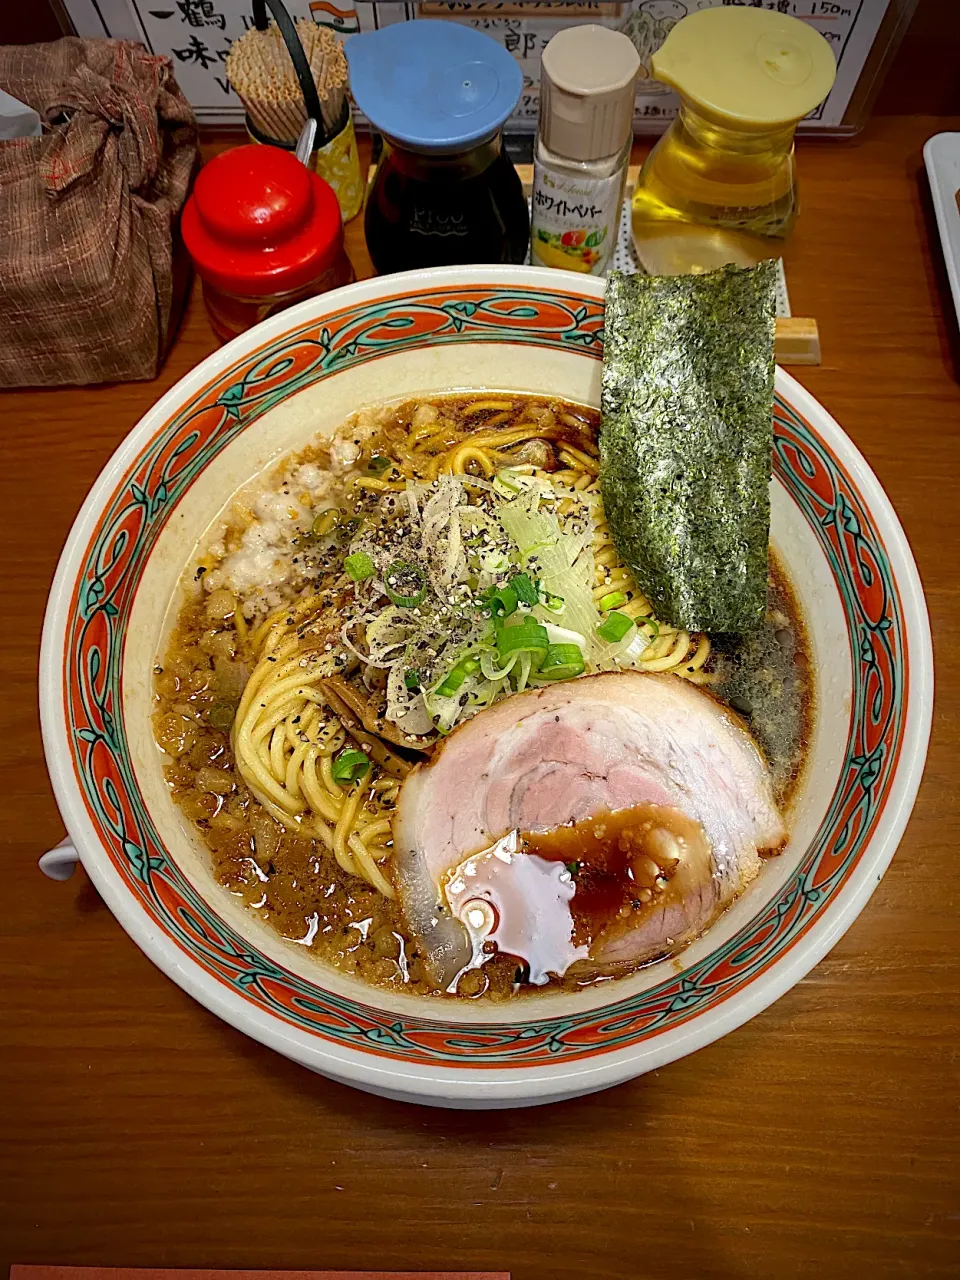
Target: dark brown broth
(616, 862)
(765, 679)
(295, 885)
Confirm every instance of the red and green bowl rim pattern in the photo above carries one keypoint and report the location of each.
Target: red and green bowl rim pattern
(143, 502)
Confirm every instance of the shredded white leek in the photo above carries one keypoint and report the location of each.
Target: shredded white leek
(470, 536)
(562, 561)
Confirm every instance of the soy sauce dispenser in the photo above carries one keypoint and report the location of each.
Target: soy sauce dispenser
(444, 191)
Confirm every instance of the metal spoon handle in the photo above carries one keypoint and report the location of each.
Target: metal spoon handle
(305, 142)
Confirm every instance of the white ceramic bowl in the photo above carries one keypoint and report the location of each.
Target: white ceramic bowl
(491, 328)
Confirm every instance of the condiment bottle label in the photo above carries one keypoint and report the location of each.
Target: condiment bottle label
(575, 220)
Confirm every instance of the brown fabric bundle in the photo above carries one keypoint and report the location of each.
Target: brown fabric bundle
(92, 275)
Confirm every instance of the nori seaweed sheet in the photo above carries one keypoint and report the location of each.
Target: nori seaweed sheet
(686, 440)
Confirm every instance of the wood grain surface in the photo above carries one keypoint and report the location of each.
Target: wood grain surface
(821, 1139)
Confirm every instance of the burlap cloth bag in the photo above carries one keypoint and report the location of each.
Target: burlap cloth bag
(92, 276)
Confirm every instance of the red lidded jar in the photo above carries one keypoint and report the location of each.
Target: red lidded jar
(264, 232)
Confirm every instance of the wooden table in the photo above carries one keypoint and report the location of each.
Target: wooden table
(820, 1139)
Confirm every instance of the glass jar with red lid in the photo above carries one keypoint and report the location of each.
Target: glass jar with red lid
(264, 232)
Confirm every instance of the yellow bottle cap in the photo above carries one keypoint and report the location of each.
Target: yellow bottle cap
(745, 67)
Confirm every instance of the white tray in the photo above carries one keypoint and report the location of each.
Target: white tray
(942, 158)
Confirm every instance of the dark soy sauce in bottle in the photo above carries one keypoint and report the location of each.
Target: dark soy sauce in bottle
(445, 191)
(439, 210)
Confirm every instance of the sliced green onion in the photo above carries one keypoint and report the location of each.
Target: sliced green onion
(455, 677)
(612, 601)
(490, 670)
(411, 680)
(501, 601)
(562, 662)
(507, 481)
(359, 566)
(614, 627)
(350, 766)
(527, 593)
(494, 562)
(521, 673)
(553, 603)
(529, 638)
(404, 584)
(652, 623)
(325, 522)
(573, 867)
(379, 464)
(221, 714)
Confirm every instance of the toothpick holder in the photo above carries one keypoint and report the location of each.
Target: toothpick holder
(336, 158)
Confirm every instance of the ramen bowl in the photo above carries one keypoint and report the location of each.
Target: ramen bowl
(266, 394)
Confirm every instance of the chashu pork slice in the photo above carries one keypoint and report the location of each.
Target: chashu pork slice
(557, 755)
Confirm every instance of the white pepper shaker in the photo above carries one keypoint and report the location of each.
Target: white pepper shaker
(588, 80)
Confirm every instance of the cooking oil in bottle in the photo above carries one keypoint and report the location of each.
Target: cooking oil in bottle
(720, 185)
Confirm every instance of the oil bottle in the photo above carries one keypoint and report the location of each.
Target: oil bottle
(720, 185)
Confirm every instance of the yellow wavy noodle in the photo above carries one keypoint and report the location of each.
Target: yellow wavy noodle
(285, 734)
(670, 649)
(284, 739)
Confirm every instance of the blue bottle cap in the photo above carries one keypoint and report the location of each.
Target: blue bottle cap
(433, 86)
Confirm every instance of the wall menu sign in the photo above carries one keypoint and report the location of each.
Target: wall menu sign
(197, 34)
